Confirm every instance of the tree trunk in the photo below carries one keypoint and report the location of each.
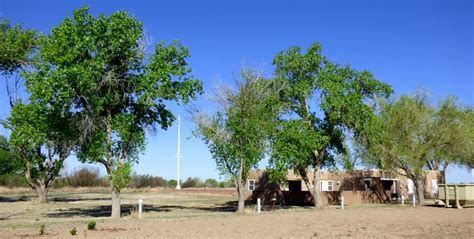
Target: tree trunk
(116, 211)
(420, 190)
(318, 203)
(42, 192)
(443, 173)
(241, 199)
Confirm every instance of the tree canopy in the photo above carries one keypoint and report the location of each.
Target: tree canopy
(100, 69)
(411, 135)
(238, 133)
(324, 102)
(16, 46)
(42, 137)
(8, 162)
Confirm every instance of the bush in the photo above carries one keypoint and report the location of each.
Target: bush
(143, 181)
(13, 180)
(82, 177)
(73, 231)
(210, 182)
(172, 183)
(226, 184)
(91, 225)
(192, 183)
(42, 229)
(85, 177)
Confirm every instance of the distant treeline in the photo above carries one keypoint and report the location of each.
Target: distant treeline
(90, 177)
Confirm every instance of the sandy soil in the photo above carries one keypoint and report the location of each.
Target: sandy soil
(387, 222)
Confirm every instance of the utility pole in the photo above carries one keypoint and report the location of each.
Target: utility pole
(178, 154)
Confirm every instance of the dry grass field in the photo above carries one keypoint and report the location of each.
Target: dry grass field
(208, 214)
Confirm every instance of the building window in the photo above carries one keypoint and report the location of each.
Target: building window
(327, 186)
(330, 188)
(251, 185)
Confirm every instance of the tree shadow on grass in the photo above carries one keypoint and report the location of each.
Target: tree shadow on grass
(230, 206)
(105, 211)
(68, 199)
(100, 211)
(14, 199)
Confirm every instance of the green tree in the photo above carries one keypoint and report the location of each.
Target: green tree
(412, 135)
(237, 134)
(210, 182)
(42, 138)
(100, 67)
(39, 144)
(8, 162)
(172, 183)
(324, 102)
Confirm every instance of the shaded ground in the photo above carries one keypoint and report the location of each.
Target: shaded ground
(171, 214)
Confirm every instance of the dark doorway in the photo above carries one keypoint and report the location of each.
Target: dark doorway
(294, 185)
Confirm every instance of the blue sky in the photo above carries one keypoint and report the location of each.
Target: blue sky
(407, 44)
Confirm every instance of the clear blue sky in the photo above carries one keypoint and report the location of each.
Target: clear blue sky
(407, 44)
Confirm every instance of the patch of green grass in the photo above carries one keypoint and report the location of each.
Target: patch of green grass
(42, 229)
(91, 225)
(73, 231)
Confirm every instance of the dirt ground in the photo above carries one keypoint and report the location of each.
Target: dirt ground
(184, 215)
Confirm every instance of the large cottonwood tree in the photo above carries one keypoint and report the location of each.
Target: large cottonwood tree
(324, 102)
(41, 135)
(101, 67)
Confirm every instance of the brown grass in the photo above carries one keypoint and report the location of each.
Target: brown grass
(169, 213)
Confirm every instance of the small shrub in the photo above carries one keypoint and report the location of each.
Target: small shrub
(73, 231)
(12, 180)
(42, 229)
(172, 183)
(226, 184)
(143, 181)
(91, 225)
(211, 183)
(192, 183)
(85, 177)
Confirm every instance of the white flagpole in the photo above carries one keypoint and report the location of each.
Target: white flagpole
(178, 155)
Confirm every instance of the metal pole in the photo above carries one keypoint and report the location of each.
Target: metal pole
(140, 207)
(403, 200)
(342, 202)
(258, 205)
(414, 200)
(178, 155)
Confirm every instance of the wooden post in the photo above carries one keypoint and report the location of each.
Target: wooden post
(140, 207)
(456, 194)
(446, 194)
(342, 202)
(258, 205)
(403, 200)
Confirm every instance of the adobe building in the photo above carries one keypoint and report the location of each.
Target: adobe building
(357, 187)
